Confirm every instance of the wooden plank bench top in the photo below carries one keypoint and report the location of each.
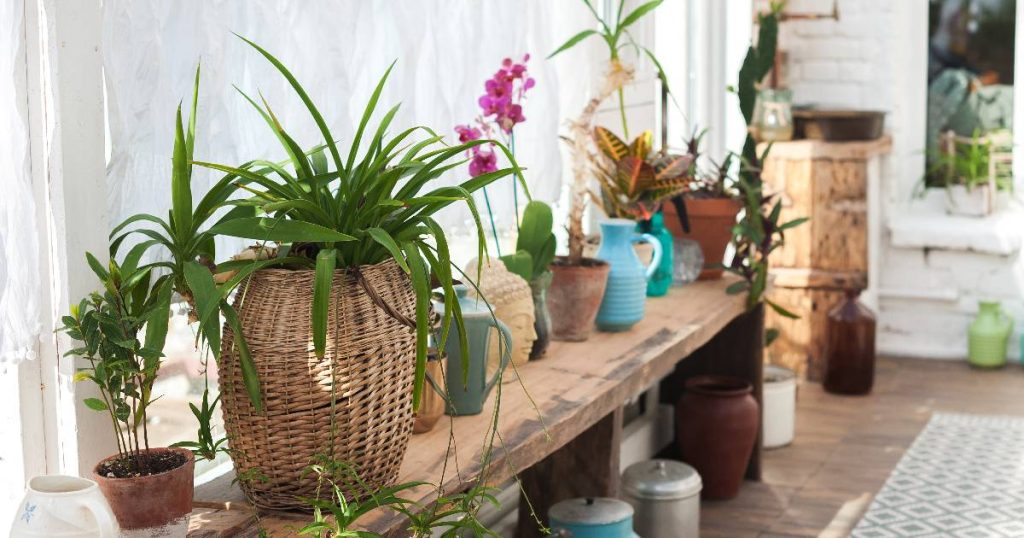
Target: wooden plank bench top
(567, 392)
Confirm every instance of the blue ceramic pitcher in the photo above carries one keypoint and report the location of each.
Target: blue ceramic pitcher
(467, 396)
(624, 297)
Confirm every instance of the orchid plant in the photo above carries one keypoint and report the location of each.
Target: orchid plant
(501, 109)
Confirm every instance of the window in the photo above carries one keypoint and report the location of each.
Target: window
(971, 64)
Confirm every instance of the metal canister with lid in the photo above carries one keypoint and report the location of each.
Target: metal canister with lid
(592, 518)
(665, 496)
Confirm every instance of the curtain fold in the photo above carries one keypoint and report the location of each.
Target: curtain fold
(20, 278)
(338, 49)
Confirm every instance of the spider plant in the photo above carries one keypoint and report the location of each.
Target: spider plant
(616, 36)
(633, 179)
(185, 236)
(371, 205)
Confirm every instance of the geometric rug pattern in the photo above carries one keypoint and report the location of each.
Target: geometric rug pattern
(962, 477)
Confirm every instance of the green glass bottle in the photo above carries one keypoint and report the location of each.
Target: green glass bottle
(988, 335)
(661, 281)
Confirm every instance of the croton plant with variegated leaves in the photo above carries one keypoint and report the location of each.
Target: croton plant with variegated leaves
(634, 179)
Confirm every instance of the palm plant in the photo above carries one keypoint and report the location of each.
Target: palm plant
(633, 179)
(372, 205)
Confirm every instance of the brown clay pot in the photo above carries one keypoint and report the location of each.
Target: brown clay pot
(432, 401)
(155, 505)
(711, 222)
(716, 428)
(575, 296)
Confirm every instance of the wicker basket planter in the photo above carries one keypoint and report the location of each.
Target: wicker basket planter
(371, 356)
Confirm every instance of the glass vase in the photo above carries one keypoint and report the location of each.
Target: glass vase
(541, 317)
(773, 115)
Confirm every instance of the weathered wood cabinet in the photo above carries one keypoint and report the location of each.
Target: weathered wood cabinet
(830, 183)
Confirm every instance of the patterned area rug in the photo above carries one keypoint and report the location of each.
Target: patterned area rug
(962, 477)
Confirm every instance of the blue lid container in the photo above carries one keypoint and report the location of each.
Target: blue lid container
(592, 518)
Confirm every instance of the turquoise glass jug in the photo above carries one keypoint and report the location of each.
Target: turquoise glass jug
(661, 280)
(624, 297)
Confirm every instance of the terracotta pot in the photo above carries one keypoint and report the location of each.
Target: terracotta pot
(432, 401)
(574, 297)
(716, 428)
(711, 222)
(155, 505)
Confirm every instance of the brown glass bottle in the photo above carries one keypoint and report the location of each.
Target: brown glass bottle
(850, 356)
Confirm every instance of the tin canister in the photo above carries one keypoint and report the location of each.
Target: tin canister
(592, 518)
(665, 496)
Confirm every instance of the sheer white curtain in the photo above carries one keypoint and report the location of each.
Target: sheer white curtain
(338, 49)
(20, 279)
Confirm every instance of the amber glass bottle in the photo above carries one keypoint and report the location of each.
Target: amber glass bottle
(850, 359)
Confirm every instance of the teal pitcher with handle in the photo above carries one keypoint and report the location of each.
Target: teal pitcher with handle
(466, 396)
(988, 335)
(624, 297)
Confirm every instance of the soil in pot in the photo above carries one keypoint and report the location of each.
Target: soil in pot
(711, 221)
(575, 296)
(156, 504)
(716, 427)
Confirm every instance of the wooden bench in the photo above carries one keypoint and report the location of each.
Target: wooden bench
(565, 442)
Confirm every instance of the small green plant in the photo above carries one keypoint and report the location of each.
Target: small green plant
(205, 446)
(634, 180)
(969, 164)
(755, 237)
(756, 65)
(336, 516)
(535, 246)
(616, 36)
(373, 205)
(109, 324)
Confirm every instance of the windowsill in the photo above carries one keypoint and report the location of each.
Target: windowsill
(927, 225)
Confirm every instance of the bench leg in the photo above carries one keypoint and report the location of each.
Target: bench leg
(587, 466)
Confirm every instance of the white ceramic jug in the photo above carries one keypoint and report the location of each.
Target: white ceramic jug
(64, 507)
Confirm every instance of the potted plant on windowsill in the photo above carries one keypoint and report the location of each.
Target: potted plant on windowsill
(707, 212)
(578, 283)
(149, 489)
(975, 171)
(346, 303)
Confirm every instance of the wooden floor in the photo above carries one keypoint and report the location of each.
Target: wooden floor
(847, 446)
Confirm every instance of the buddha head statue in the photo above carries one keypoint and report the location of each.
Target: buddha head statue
(510, 297)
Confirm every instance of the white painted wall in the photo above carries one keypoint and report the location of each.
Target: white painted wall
(933, 267)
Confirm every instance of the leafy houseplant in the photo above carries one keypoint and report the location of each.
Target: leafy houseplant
(535, 250)
(148, 488)
(707, 211)
(578, 283)
(359, 247)
(973, 171)
(633, 179)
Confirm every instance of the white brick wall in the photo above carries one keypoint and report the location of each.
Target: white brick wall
(874, 57)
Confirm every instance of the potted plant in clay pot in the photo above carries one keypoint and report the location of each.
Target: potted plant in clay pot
(346, 303)
(707, 212)
(578, 282)
(535, 250)
(149, 489)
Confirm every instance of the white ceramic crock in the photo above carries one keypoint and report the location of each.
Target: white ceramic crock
(64, 507)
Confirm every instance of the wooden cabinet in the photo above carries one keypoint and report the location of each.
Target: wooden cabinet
(830, 183)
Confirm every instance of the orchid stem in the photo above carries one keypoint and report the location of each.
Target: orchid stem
(494, 229)
(515, 189)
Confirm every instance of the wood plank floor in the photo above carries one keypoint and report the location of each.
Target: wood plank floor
(846, 446)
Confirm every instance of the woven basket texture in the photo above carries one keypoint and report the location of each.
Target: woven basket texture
(372, 357)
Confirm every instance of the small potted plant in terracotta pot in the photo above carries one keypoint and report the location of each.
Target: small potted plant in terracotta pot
(149, 489)
(707, 212)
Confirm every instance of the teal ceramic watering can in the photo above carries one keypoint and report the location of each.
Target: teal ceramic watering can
(466, 395)
(624, 297)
